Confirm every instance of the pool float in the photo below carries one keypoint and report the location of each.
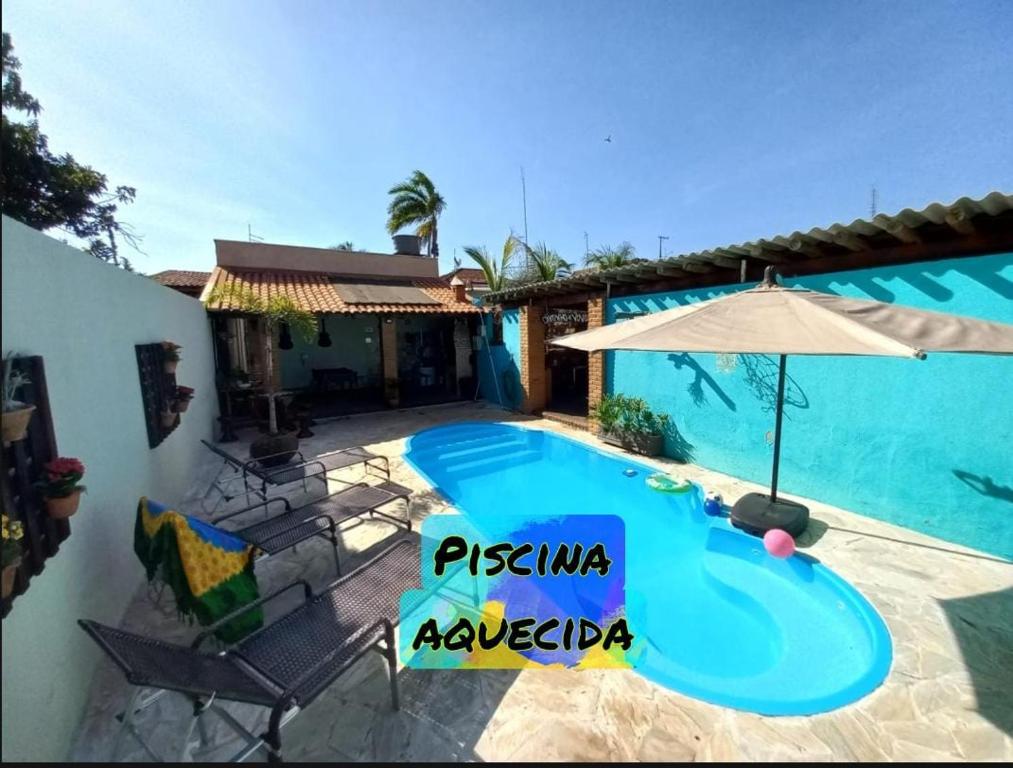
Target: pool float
(665, 484)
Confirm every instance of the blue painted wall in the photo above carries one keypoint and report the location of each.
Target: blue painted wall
(924, 444)
(506, 360)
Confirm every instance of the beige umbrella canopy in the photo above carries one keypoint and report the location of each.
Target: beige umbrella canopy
(774, 320)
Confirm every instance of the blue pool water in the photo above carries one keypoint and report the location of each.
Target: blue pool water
(723, 621)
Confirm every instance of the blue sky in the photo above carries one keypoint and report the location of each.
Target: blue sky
(730, 120)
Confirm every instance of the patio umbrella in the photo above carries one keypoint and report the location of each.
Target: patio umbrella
(774, 320)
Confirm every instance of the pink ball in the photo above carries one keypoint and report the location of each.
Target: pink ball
(779, 543)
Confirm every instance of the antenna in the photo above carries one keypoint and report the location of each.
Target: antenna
(587, 247)
(873, 202)
(661, 239)
(524, 199)
(252, 237)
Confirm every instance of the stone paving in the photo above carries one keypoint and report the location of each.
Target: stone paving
(949, 695)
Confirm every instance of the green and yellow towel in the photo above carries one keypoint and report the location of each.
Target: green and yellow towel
(208, 570)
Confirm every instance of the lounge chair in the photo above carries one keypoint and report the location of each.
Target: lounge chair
(256, 477)
(284, 530)
(293, 525)
(283, 666)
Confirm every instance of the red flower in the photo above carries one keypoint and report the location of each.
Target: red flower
(59, 467)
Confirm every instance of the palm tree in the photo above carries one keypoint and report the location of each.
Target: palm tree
(546, 263)
(609, 257)
(416, 203)
(495, 273)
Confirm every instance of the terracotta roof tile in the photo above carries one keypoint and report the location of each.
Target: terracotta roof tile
(468, 274)
(181, 278)
(315, 292)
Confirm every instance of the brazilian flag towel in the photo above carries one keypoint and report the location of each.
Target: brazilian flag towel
(208, 570)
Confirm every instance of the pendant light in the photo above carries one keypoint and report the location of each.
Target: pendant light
(324, 339)
(285, 337)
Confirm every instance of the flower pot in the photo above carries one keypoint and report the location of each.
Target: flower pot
(170, 366)
(10, 572)
(15, 423)
(182, 405)
(168, 418)
(274, 450)
(611, 438)
(644, 443)
(62, 507)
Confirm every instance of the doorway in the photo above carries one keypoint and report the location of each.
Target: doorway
(565, 369)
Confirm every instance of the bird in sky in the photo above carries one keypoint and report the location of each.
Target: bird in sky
(609, 138)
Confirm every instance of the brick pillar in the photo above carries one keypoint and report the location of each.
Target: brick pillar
(388, 348)
(532, 359)
(595, 360)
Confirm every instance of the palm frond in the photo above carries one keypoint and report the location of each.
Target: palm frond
(610, 257)
(480, 256)
(416, 202)
(548, 265)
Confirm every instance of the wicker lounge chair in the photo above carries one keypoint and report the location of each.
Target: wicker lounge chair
(256, 477)
(283, 666)
(284, 530)
(294, 525)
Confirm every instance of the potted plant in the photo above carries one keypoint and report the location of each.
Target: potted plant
(630, 423)
(169, 416)
(60, 488)
(183, 397)
(10, 554)
(172, 355)
(16, 414)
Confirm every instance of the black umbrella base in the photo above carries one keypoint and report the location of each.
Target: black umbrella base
(755, 513)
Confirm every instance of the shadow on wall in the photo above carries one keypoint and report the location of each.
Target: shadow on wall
(922, 277)
(701, 377)
(985, 485)
(761, 376)
(981, 626)
(676, 445)
(506, 389)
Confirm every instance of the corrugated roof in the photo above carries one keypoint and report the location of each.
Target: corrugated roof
(960, 221)
(181, 278)
(315, 292)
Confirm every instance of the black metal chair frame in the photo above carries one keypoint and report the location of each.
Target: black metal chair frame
(253, 685)
(300, 529)
(375, 464)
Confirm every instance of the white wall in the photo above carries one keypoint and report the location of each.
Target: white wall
(84, 317)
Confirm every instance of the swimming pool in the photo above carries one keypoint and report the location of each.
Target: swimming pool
(724, 621)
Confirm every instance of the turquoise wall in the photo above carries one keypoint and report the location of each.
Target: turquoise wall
(506, 360)
(922, 444)
(356, 345)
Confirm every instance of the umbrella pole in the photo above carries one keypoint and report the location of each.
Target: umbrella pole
(777, 426)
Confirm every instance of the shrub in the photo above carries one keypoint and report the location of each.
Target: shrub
(621, 413)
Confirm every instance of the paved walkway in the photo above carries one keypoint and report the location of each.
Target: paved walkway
(949, 695)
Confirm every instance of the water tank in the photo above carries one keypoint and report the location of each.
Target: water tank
(407, 245)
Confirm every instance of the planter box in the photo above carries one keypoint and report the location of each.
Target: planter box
(643, 443)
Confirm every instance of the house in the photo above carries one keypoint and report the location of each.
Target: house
(185, 281)
(391, 331)
(475, 284)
